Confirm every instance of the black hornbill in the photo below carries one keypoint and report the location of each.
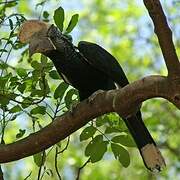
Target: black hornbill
(89, 68)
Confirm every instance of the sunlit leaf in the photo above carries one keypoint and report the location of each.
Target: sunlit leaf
(60, 90)
(125, 140)
(96, 149)
(39, 110)
(59, 18)
(21, 133)
(45, 14)
(39, 158)
(87, 133)
(100, 121)
(15, 109)
(110, 130)
(54, 74)
(69, 97)
(121, 154)
(36, 65)
(22, 87)
(3, 65)
(21, 72)
(72, 23)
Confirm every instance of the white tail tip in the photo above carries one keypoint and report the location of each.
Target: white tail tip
(152, 157)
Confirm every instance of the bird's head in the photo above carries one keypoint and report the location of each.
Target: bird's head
(41, 37)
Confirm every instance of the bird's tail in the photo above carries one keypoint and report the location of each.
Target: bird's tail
(151, 155)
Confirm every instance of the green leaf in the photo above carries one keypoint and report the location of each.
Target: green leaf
(4, 100)
(15, 109)
(72, 23)
(121, 154)
(100, 121)
(45, 14)
(26, 103)
(3, 65)
(39, 110)
(3, 82)
(21, 72)
(36, 65)
(96, 149)
(44, 60)
(37, 92)
(59, 18)
(59, 144)
(60, 90)
(125, 140)
(14, 79)
(69, 97)
(110, 130)
(44, 86)
(21, 133)
(39, 158)
(21, 87)
(87, 133)
(54, 74)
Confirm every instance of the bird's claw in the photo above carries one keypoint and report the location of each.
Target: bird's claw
(93, 96)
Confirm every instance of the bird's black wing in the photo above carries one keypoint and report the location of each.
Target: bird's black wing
(99, 58)
(102, 60)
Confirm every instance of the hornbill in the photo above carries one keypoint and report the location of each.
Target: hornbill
(89, 68)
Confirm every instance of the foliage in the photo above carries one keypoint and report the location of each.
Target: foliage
(32, 93)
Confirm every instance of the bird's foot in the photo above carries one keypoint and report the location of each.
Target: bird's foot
(73, 107)
(93, 96)
(152, 157)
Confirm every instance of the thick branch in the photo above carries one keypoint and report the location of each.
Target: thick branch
(164, 35)
(110, 101)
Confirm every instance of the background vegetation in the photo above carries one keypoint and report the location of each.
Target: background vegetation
(32, 95)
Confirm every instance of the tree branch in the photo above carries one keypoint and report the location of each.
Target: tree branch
(164, 35)
(109, 101)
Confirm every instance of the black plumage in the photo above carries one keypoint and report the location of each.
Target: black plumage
(89, 68)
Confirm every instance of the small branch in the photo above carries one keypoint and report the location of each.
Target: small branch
(164, 35)
(56, 164)
(109, 101)
(28, 176)
(40, 168)
(79, 170)
(56, 157)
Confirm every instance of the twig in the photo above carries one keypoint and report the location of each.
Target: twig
(67, 144)
(28, 176)
(79, 170)
(40, 168)
(56, 157)
(56, 164)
